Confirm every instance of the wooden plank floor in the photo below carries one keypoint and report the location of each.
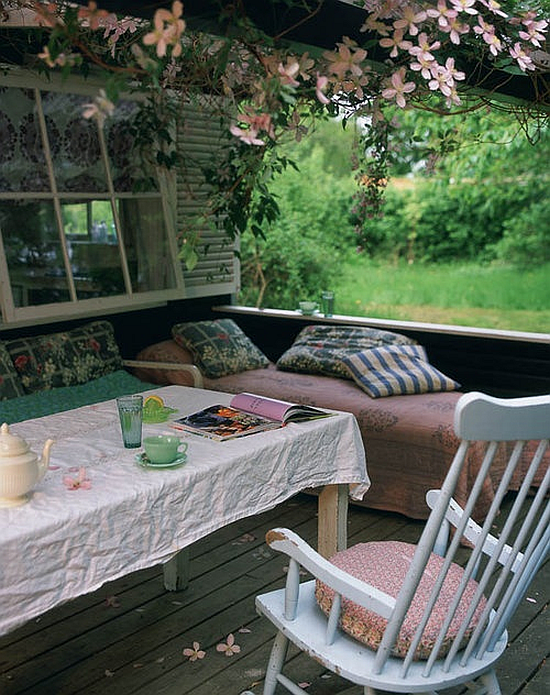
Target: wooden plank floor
(128, 637)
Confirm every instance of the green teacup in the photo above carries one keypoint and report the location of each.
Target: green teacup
(163, 448)
(308, 307)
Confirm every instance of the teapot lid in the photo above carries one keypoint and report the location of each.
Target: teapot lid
(11, 444)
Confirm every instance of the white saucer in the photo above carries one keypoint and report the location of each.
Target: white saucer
(144, 461)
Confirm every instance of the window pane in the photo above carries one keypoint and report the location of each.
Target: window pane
(22, 159)
(145, 242)
(92, 245)
(74, 144)
(33, 251)
(128, 170)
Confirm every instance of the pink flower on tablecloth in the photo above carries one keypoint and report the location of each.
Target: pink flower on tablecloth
(81, 481)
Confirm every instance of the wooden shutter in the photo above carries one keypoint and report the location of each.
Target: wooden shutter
(201, 134)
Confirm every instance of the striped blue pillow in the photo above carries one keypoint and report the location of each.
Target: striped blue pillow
(396, 369)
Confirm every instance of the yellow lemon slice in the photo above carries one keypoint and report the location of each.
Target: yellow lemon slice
(153, 403)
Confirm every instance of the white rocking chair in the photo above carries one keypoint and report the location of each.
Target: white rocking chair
(455, 630)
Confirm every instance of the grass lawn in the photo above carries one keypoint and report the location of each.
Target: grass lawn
(463, 294)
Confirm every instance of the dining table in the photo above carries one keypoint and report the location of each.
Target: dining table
(100, 512)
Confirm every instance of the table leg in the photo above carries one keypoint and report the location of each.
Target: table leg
(333, 516)
(176, 571)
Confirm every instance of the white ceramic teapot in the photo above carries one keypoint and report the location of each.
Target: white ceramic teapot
(20, 468)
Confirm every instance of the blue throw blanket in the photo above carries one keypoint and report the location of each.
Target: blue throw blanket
(118, 383)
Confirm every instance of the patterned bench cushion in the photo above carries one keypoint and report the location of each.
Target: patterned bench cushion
(219, 347)
(384, 565)
(10, 383)
(321, 349)
(396, 370)
(66, 358)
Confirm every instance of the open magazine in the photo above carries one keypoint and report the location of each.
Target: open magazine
(245, 414)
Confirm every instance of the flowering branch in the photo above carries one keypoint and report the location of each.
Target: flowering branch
(435, 54)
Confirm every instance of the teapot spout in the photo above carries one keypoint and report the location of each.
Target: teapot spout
(45, 458)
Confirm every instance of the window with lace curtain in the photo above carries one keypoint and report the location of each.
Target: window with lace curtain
(84, 222)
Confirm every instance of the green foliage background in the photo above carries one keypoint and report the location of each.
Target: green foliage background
(469, 189)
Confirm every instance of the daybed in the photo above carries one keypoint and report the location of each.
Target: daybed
(409, 439)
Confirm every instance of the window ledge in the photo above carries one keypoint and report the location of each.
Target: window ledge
(389, 324)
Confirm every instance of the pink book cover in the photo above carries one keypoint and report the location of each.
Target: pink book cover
(259, 405)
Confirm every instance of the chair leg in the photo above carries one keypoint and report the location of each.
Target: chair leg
(275, 663)
(490, 681)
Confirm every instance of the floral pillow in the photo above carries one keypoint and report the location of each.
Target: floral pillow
(10, 384)
(219, 347)
(66, 358)
(320, 349)
(396, 370)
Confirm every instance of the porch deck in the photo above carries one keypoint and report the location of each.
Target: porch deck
(128, 637)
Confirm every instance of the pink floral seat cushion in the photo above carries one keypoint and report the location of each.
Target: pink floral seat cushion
(384, 565)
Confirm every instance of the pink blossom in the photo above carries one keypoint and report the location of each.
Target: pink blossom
(230, 647)
(409, 19)
(321, 84)
(61, 59)
(488, 34)
(194, 653)
(92, 17)
(80, 482)
(347, 59)
(398, 88)
(99, 109)
(439, 81)
(115, 28)
(466, 6)
(442, 13)
(453, 98)
(373, 24)
(288, 72)
(494, 6)
(521, 57)
(395, 42)
(534, 33)
(424, 48)
(451, 73)
(305, 65)
(256, 122)
(423, 66)
(168, 28)
(47, 15)
(454, 28)
(249, 137)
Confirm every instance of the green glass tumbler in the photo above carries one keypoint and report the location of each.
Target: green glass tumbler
(327, 303)
(130, 412)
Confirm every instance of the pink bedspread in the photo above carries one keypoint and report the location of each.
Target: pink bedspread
(409, 440)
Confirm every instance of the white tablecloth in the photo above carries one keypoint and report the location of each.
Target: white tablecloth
(64, 543)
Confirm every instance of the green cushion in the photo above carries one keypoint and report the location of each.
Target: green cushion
(320, 349)
(396, 370)
(10, 384)
(119, 383)
(66, 358)
(219, 347)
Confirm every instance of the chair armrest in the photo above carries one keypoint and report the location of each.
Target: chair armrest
(286, 541)
(169, 366)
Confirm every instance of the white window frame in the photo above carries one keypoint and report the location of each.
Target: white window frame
(12, 315)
